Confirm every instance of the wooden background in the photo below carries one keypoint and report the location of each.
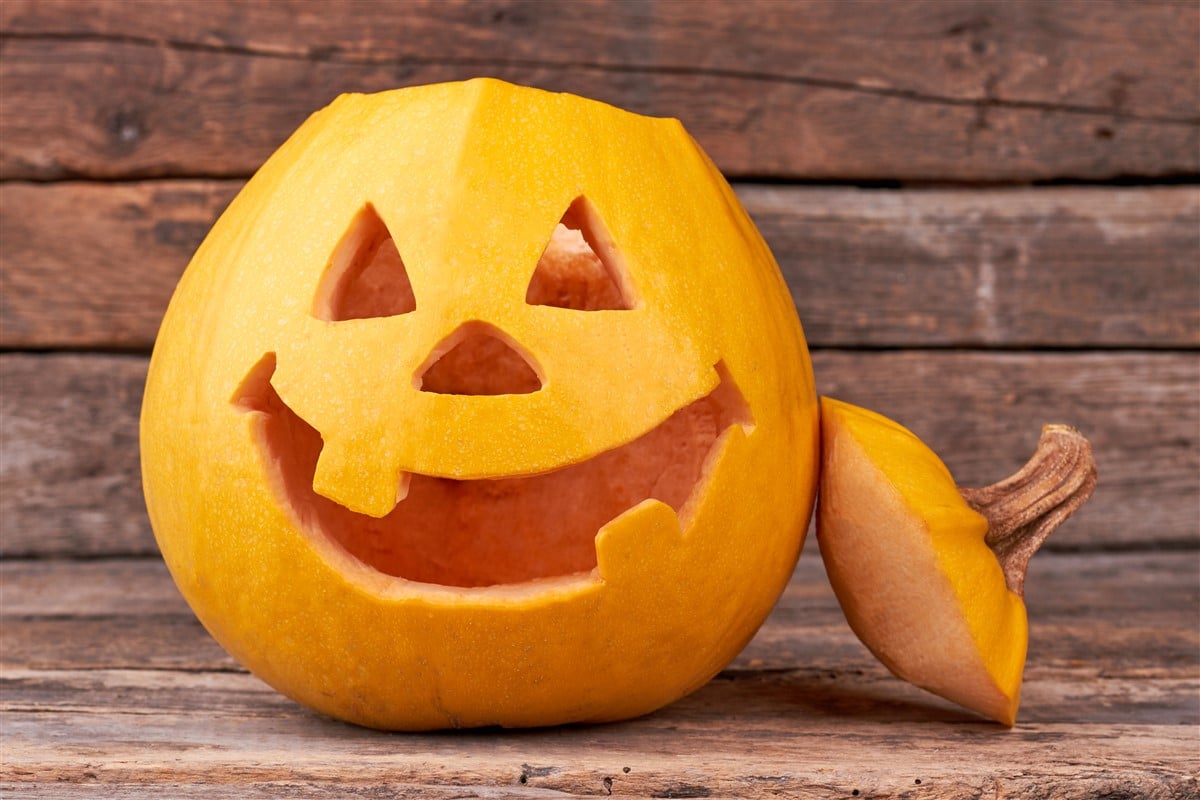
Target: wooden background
(989, 216)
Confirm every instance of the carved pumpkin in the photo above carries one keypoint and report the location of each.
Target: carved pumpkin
(481, 405)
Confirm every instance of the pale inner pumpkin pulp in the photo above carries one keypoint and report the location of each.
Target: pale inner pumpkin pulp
(502, 530)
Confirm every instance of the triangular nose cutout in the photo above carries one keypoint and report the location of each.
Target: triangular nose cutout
(477, 359)
(580, 267)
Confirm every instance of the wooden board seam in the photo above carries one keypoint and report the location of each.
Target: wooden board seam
(980, 102)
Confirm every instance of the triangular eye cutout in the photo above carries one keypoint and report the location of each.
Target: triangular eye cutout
(366, 276)
(581, 268)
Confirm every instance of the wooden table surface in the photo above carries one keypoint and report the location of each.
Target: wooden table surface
(989, 216)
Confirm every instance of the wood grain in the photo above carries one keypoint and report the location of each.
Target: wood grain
(804, 711)
(799, 753)
(71, 484)
(975, 91)
(92, 265)
(972, 312)
(1010, 268)
(70, 467)
(1122, 58)
(1092, 614)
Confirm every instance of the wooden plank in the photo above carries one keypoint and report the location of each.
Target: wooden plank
(93, 265)
(288, 790)
(1014, 268)
(1049, 697)
(1118, 57)
(803, 754)
(983, 413)
(800, 721)
(124, 101)
(69, 478)
(1126, 615)
(1052, 267)
(70, 481)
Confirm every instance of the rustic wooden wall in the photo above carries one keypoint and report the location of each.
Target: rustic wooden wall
(984, 209)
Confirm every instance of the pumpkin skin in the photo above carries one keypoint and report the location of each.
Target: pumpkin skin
(471, 180)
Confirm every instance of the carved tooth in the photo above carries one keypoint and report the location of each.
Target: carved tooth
(633, 542)
(353, 475)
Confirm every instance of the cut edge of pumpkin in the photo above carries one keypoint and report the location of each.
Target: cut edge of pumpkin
(531, 531)
(942, 642)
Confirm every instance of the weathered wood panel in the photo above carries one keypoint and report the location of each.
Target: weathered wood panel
(69, 475)
(1090, 613)
(803, 755)
(804, 711)
(127, 107)
(1120, 58)
(825, 686)
(1014, 268)
(93, 265)
(983, 413)
(70, 482)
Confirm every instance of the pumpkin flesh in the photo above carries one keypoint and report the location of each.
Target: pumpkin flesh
(501, 530)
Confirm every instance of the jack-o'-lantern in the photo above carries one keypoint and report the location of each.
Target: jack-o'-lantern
(481, 405)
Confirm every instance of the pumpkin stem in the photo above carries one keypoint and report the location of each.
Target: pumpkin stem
(1023, 509)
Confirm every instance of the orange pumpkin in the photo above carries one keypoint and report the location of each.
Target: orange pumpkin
(481, 405)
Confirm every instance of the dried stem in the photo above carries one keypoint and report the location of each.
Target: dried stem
(1023, 509)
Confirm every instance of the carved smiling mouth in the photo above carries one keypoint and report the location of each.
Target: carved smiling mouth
(486, 532)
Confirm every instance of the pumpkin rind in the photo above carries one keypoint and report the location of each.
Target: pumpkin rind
(471, 179)
(908, 561)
